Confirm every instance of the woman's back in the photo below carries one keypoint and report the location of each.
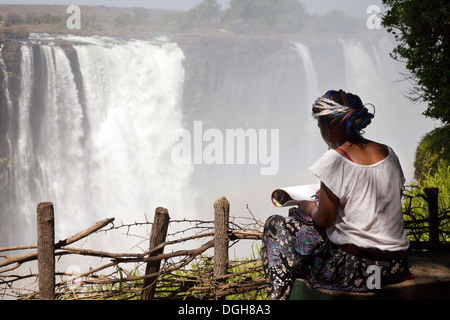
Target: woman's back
(359, 205)
(369, 190)
(370, 154)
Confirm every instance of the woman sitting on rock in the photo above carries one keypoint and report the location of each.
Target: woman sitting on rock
(358, 221)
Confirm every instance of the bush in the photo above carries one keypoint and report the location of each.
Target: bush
(433, 149)
(12, 19)
(415, 205)
(122, 20)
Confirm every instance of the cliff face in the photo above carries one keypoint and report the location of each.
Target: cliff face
(228, 78)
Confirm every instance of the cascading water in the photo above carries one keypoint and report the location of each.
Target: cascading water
(312, 92)
(7, 104)
(101, 149)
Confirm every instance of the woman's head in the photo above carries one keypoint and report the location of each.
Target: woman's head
(344, 110)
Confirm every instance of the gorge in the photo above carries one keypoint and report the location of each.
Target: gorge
(87, 122)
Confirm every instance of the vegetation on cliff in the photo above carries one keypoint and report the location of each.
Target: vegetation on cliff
(241, 17)
(433, 151)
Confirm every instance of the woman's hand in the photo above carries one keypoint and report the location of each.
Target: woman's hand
(318, 194)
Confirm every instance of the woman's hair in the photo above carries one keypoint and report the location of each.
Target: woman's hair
(343, 109)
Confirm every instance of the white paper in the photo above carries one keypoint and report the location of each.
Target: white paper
(289, 196)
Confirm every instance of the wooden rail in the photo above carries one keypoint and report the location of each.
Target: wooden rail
(216, 287)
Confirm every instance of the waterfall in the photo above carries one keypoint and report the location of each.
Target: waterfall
(100, 149)
(312, 92)
(4, 174)
(311, 80)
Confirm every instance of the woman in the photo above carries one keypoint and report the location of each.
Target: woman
(358, 221)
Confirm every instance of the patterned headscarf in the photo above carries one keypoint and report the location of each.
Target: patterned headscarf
(345, 110)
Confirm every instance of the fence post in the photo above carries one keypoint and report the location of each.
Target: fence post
(221, 237)
(432, 195)
(46, 250)
(158, 236)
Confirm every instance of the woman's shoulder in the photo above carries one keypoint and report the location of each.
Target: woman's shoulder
(330, 161)
(368, 154)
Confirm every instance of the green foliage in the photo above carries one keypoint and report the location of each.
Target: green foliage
(48, 19)
(13, 19)
(433, 149)
(336, 21)
(140, 15)
(184, 283)
(176, 21)
(194, 281)
(122, 20)
(265, 15)
(241, 266)
(415, 205)
(243, 16)
(422, 28)
(207, 11)
(197, 280)
(121, 290)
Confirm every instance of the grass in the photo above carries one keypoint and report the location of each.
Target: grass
(195, 281)
(415, 204)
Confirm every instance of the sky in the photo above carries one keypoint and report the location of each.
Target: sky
(356, 8)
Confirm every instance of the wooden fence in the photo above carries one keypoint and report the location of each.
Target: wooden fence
(180, 274)
(432, 227)
(160, 267)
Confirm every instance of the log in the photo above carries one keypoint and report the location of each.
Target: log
(33, 255)
(83, 234)
(221, 237)
(46, 250)
(158, 236)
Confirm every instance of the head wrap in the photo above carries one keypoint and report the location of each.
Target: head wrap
(353, 116)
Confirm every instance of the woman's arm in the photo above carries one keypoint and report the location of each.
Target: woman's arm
(323, 215)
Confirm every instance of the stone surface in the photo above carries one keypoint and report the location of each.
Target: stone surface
(432, 282)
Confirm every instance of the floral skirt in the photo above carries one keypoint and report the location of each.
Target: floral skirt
(292, 248)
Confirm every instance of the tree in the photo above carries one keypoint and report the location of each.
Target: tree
(122, 20)
(422, 28)
(12, 19)
(140, 15)
(266, 15)
(207, 11)
(433, 151)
